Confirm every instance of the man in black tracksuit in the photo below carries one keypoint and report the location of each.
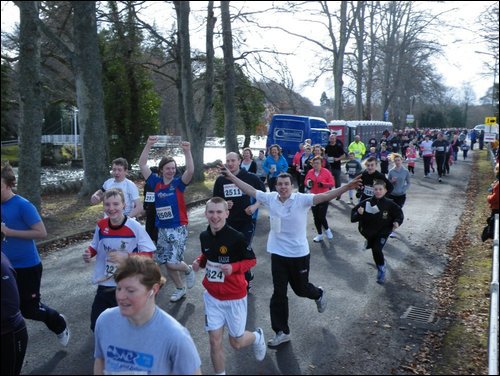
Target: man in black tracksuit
(241, 206)
(335, 153)
(378, 216)
(368, 177)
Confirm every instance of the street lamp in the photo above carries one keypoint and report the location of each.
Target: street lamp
(494, 76)
(75, 114)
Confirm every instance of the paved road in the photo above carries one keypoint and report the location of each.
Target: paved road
(361, 331)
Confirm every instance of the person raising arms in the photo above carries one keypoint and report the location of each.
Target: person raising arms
(171, 214)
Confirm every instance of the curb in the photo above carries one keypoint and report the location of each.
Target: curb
(42, 245)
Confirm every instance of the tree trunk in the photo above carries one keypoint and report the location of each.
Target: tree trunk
(195, 131)
(229, 80)
(90, 98)
(30, 129)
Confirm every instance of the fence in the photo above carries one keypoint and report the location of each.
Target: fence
(493, 332)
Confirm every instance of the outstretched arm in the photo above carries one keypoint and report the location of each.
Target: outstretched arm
(330, 195)
(247, 188)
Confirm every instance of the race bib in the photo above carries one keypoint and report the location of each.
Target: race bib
(371, 209)
(275, 224)
(351, 171)
(110, 270)
(383, 158)
(330, 159)
(150, 197)
(440, 148)
(213, 272)
(164, 213)
(394, 145)
(368, 191)
(232, 190)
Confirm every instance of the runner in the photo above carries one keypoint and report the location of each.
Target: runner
(304, 166)
(440, 148)
(378, 216)
(226, 257)
(288, 245)
(274, 165)
(21, 225)
(357, 147)
(149, 209)
(400, 179)
(259, 161)
(383, 156)
(248, 162)
(411, 157)
(115, 238)
(133, 205)
(241, 206)
(427, 154)
(353, 168)
(171, 214)
(318, 180)
(335, 153)
(14, 332)
(138, 337)
(368, 177)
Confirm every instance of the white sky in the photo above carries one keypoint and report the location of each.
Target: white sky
(459, 65)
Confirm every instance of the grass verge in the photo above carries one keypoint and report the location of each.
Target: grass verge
(463, 290)
(10, 153)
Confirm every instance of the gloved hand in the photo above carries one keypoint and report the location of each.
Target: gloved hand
(309, 183)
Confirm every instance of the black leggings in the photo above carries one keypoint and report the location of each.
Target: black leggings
(13, 350)
(105, 298)
(440, 161)
(427, 164)
(271, 182)
(377, 244)
(28, 284)
(319, 214)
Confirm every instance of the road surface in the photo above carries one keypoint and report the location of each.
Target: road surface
(361, 332)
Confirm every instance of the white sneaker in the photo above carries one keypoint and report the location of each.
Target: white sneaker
(190, 278)
(178, 294)
(318, 238)
(63, 337)
(392, 235)
(259, 346)
(329, 234)
(278, 339)
(321, 301)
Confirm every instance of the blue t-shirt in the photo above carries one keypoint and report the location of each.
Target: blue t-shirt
(20, 214)
(161, 346)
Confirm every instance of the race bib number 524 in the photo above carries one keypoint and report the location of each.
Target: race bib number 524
(213, 272)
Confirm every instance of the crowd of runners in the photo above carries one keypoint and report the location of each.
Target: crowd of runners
(128, 256)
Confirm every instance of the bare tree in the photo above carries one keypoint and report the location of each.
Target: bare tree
(196, 131)
(30, 91)
(229, 80)
(86, 63)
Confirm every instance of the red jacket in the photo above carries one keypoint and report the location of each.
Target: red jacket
(493, 198)
(325, 178)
